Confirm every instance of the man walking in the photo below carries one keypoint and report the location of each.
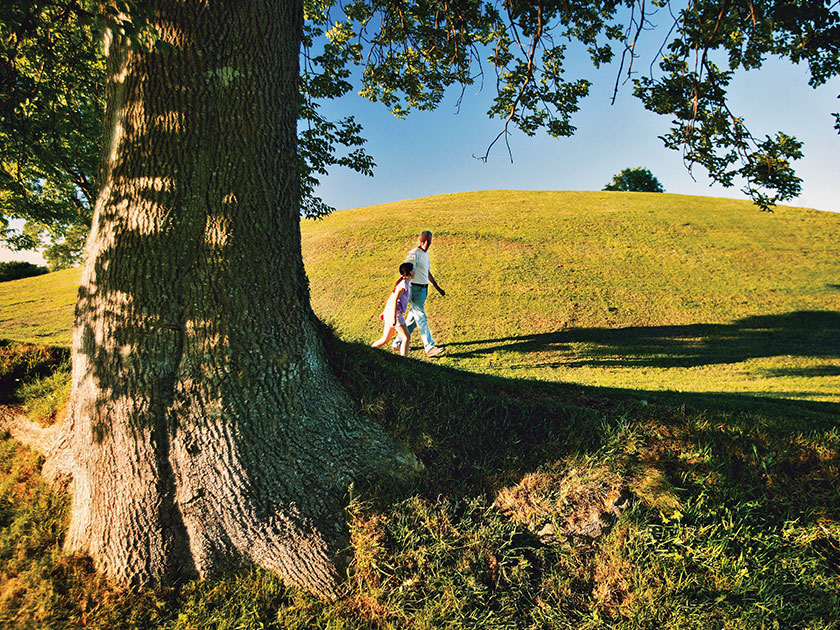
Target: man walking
(416, 316)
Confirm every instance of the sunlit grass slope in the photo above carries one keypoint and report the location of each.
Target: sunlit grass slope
(39, 309)
(630, 290)
(642, 291)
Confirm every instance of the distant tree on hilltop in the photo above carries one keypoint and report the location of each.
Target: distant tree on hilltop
(637, 179)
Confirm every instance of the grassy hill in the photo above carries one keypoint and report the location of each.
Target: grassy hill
(635, 426)
(639, 291)
(645, 291)
(39, 309)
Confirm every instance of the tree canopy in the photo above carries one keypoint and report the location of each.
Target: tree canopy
(410, 53)
(51, 76)
(637, 179)
(51, 108)
(52, 105)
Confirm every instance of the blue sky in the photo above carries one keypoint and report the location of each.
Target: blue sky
(431, 153)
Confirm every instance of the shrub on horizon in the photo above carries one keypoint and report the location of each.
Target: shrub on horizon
(637, 179)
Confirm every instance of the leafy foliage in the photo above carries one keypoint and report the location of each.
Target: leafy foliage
(711, 41)
(51, 108)
(411, 52)
(324, 75)
(17, 269)
(637, 179)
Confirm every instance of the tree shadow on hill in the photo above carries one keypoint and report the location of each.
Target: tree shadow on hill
(762, 462)
(477, 434)
(801, 333)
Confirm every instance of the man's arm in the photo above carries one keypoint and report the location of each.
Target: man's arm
(435, 284)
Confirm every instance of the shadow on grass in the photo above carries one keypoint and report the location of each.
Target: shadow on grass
(25, 362)
(477, 433)
(802, 333)
(764, 468)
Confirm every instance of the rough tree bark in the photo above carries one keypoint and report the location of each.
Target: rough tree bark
(205, 427)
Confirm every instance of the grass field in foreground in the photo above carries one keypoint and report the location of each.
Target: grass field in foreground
(730, 518)
(729, 510)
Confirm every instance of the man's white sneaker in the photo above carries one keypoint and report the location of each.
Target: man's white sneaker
(434, 351)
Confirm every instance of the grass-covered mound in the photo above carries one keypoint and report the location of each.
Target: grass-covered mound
(40, 309)
(543, 504)
(643, 291)
(649, 291)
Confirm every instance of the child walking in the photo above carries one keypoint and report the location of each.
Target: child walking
(394, 314)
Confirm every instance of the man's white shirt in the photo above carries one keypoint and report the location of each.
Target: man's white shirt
(422, 265)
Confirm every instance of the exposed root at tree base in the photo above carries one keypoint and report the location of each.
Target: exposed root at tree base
(44, 440)
(20, 427)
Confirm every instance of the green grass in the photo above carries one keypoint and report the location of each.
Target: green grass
(45, 399)
(734, 520)
(535, 419)
(40, 309)
(24, 364)
(645, 291)
(642, 291)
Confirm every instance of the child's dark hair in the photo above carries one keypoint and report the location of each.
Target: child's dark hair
(405, 269)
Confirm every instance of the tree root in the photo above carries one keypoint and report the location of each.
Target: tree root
(50, 442)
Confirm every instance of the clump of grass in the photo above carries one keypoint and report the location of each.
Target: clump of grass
(21, 363)
(613, 591)
(46, 398)
(716, 482)
(579, 500)
(31, 521)
(459, 563)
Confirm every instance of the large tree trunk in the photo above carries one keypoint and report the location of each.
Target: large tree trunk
(206, 428)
